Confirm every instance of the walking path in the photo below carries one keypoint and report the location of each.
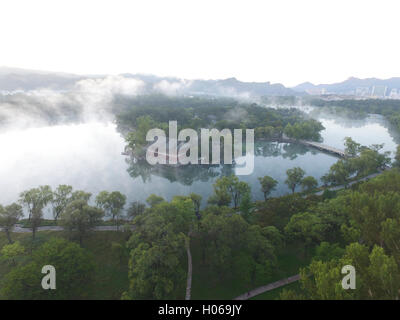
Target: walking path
(268, 287)
(373, 175)
(19, 229)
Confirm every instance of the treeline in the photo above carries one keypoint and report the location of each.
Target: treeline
(70, 209)
(388, 108)
(155, 111)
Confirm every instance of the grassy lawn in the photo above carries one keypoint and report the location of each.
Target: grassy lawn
(111, 275)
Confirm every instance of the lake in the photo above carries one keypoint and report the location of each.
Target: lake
(88, 157)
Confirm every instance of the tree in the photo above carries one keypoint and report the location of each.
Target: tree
(397, 157)
(228, 189)
(80, 195)
(154, 200)
(74, 267)
(61, 197)
(307, 227)
(12, 251)
(9, 216)
(196, 198)
(352, 148)
(112, 203)
(309, 183)
(339, 173)
(246, 206)
(136, 208)
(235, 250)
(35, 200)
(157, 248)
(267, 185)
(377, 276)
(294, 177)
(79, 217)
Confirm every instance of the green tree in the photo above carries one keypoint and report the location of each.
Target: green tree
(154, 200)
(81, 218)
(294, 177)
(112, 203)
(307, 227)
(35, 200)
(377, 276)
(9, 216)
(268, 184)
(397, 157)
(309, 183)
(136, 208)
(196, 198)
(158, 248)
(235, 250)
(80, 195)
(74, 267)
(12, 251)
(61, 198)
(352, 148)
(339, 173)
(246, 207)
(228, 189)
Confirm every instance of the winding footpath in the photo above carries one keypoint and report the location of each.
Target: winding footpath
(268, 287)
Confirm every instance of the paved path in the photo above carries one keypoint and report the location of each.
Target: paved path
(19, 229)
(268, 287)
(349, 184)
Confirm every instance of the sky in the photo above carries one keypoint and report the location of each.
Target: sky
(281, 41)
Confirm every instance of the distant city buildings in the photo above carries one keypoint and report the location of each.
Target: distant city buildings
(379, 91)
(372, 92)
(363, 92)
(316, 91)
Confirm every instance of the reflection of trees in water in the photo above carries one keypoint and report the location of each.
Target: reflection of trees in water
(363, 120)
(187, 174)
(393, 131)
(285, 150)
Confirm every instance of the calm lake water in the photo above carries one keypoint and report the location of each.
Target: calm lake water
(88, 157)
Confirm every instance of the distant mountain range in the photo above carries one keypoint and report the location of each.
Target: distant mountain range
(12, 79)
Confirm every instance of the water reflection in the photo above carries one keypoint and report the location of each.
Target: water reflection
(88, 157)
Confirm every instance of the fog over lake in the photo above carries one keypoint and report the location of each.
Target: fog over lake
(88, 157)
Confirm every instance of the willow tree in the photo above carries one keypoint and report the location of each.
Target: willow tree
(35, 200)
(9, 216)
